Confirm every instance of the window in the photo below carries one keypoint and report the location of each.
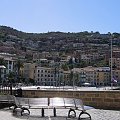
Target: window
(9, 66)
(51, 75)
(10, 62)
(48, 75)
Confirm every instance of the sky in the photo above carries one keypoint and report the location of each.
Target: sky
(41, 16)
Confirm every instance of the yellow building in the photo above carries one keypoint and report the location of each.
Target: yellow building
(93, 75)
(66, 77)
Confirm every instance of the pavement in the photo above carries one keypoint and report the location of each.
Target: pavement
(35, 114)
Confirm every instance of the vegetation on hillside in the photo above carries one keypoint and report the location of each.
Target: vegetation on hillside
(6, 32)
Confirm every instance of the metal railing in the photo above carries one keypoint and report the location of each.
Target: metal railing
(6, 89)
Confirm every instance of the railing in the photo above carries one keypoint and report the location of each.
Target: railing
(6, 89)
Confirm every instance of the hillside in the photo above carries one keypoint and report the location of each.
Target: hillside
(6, 31)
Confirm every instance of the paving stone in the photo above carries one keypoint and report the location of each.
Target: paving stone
(96, 114)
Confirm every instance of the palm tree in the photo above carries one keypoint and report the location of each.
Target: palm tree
(18, 66)
(71, 77)
(11, 77)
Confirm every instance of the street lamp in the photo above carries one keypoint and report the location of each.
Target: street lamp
(111, 65)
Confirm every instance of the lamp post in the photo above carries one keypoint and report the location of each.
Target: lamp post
(111, 66)
(73, 78)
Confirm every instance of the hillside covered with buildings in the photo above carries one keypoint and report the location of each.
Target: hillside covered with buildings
(58, 58)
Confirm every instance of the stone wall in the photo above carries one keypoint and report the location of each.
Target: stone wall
(97, 99)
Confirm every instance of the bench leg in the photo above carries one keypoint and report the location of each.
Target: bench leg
(23, 110)
(71, 113)
(42, 112)
(88, 116)
(54, 112)
(14, 110)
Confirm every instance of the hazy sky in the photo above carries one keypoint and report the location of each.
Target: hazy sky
(61, 15)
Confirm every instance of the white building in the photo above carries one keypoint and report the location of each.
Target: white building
(9, 61)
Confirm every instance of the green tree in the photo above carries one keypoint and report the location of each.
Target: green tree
(32, 81)
(18, 66)
(71, 78)
(2, 62)
(76, 79)
(11, 77)
(65, 67)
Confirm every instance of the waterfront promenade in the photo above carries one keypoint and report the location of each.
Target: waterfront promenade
(96, 114)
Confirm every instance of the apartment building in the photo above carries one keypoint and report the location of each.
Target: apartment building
(103, 76)
(116, 53)
(115, 63)
(93, 75)
(66, 77)
(87, 75)
(10, 60)
(88, 58)
(48, 76)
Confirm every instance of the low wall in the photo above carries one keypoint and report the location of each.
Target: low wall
(97, 99)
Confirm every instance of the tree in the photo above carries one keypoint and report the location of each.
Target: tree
(2, 62)
(65, 67)
(11, 77)
(76, 79)
(32, 81)
(71, 78)
(18, 66)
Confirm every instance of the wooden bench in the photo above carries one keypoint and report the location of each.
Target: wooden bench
(52, 103)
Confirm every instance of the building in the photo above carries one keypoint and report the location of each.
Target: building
(89, 58)
(66, 78)
(103, 76)
(115, 63)
(116, 75)
(48, 76)
(94, 76)
(10, 60)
